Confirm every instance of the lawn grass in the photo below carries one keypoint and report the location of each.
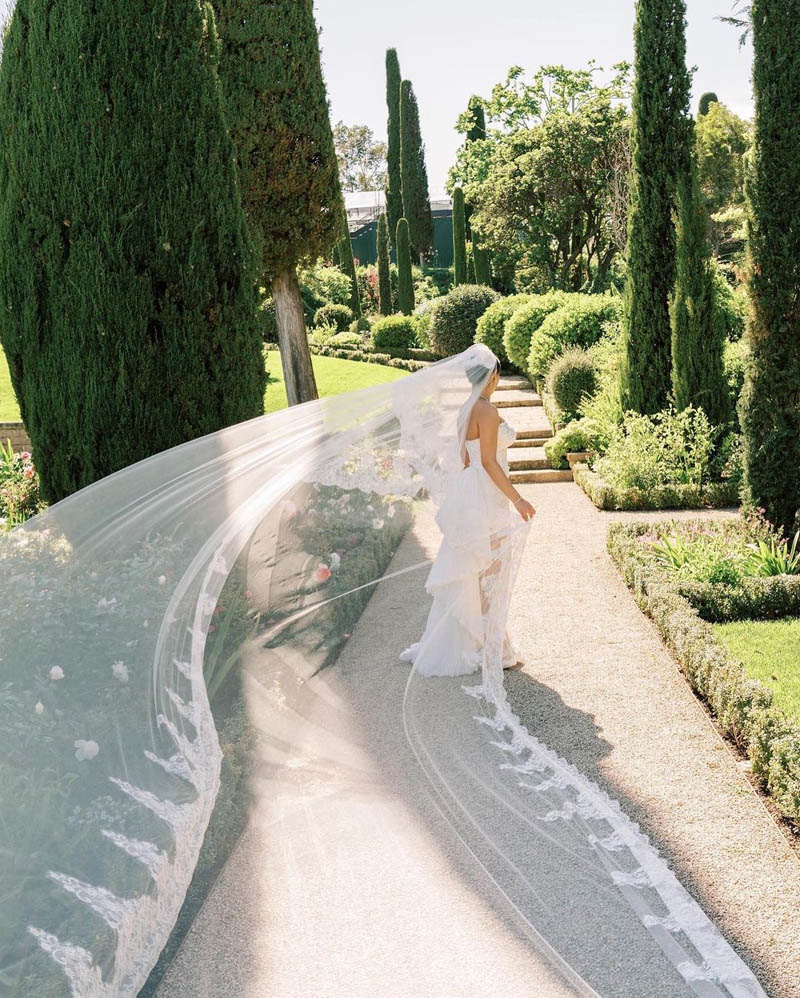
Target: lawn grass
(769, 651)
(334, 377)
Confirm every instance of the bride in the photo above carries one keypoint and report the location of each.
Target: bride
(475, 514)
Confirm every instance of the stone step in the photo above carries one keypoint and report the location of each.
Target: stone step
(524, 437)
(540, 476)
(513, 383)
(527, 459)
(513, 399)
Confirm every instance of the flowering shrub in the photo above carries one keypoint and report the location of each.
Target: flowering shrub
(19, 488)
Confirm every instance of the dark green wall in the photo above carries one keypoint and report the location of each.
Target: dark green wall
(365, 242)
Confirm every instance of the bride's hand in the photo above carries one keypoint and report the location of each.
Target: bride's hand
(525, 510)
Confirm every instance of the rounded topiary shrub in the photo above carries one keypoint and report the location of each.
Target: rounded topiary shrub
(524, 322)
(346, 341)
(492, 324)
(361, 325)
(571, 377)
(456, 318)
(394, 333)
(579, 322)
(339, 316)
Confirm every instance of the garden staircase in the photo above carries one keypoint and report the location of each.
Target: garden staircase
(522, 408)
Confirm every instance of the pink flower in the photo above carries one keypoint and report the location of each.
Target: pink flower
(323, 573)
(29, 472)
(25, 455)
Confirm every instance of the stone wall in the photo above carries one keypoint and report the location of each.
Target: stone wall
(15, 432)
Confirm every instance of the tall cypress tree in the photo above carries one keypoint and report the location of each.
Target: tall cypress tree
(475, 133)
(459, 238)
(278, 115)
(416, 199)
(405, 280)
(483, 266)
(394, 191)
(384, 275)
(697, 334)
(770, 405)
(346, 263)
(705, 103)
(660, 147)
(127, 285)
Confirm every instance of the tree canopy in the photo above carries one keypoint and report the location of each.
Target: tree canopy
(362, 159)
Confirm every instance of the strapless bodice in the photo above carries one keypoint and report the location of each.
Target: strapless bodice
(506, 435)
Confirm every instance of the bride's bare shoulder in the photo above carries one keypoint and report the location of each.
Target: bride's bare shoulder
(486, 414)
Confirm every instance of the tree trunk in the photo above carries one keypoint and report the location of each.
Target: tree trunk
(295, 354)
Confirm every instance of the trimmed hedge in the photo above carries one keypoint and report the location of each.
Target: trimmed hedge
(455, 319)
(743, 707)
(579, 322)
(394, 333)
(492, 324)
(339, 316)
(572, 377)
(525, 322)
(368, 357)
(717, 495)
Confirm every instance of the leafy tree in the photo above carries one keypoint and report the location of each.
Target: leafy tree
(660, 150)
(544, 183)
(416, 199)
(362, 160)
(705, 103)
(770, 404)
(384, 272)
(289, 174)
(405, 279)
(698, 334)
(127, 282)
(459, 238)
(394, 188)
(347, 265)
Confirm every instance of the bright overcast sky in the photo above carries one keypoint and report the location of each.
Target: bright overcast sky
(451, 49)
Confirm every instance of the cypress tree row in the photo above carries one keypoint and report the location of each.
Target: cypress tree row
(416, 199)
(405, 280)
(698, 337)
(127, 284)
(770, 404)
(384, 275)
(660, 147)
(346, 263)
(394, 191)
(289, 175)
(483, 266)
(459, 238)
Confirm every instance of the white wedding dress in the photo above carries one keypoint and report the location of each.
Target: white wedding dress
(474, 518)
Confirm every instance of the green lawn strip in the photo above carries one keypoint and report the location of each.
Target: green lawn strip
(770, 652)
(9, 412)
(334, 377)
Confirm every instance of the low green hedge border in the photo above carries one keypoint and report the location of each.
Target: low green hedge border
(415, 361)
(716, 495)
(743, 707)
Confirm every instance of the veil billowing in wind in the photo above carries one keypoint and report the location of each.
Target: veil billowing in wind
(109, 757)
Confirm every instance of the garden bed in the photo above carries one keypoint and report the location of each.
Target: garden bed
(743, 707)
(715, 495)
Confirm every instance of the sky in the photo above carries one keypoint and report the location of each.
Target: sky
(451, 49)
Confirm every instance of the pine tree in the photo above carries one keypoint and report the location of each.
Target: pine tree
(483, 266)
(384, 275)
(127, 283)
(394, 191)
(770, 405)
(345, 262)
(698, 335)
(459, 238)
(705, 103)
(416, 199)
(660, 147)
(278, 115)
(405, 280)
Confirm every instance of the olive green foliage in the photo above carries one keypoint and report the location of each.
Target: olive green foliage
(338, 316)
(705, 103)
(456, 317)
(525, 321)
(578, 322)
(571, 377)
(416, 199)
(698, 335)
(660, 145)
(394, 190)
(394, 333)
(459, 238)
(361, 325)
(735, 359)
(126, 276)
(575, 438)
(405, 279)
(348, 265)
(722, 140)
(277, 109)
(384, 276)
(732, 306)
(770, 404)
(492, 324)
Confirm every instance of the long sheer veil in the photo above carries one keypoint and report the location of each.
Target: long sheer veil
(109, 756)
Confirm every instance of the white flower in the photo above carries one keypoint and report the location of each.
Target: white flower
(85, 750)
(377, 524)
(162, 580)
(335, 562)
(39, 708)
(106, 604)
(370, 509)
(56, 673)
(390, 512)
(120, 671)
(146, 623)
